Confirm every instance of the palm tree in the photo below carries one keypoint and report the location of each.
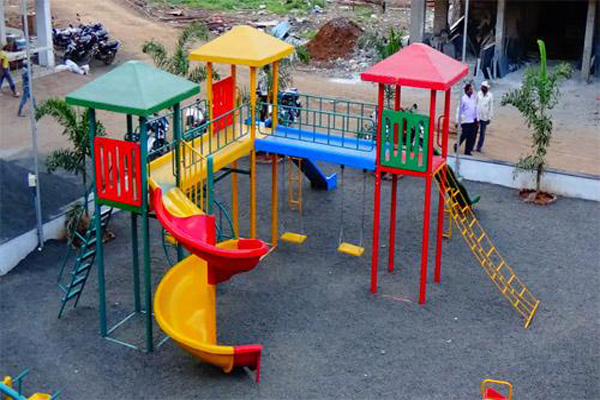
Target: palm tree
(178, 62)
(76, 129)
(536, 97)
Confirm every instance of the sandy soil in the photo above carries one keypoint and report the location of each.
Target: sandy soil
(576, 143)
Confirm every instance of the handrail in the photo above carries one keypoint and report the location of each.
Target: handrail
(369, 107)
(327, 127)
(224, 136)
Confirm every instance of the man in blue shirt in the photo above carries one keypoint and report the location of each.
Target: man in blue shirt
(26, 91)
(468, 117)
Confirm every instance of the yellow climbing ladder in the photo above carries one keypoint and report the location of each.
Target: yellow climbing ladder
(486, 253)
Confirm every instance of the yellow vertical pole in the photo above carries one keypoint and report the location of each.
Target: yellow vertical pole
(274, 201)
(209, 94)
(275, 95)
(234, 177)
(253, 153)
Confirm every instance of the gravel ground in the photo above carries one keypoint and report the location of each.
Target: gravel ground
(325, 335)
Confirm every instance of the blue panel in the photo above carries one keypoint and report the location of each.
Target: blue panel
(357, 153)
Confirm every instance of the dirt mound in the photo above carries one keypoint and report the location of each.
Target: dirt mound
(336, 39)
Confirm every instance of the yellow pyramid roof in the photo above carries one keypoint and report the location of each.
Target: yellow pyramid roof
(243, 45)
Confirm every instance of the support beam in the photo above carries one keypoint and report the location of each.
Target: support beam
(253, 153)
(43, 29)
(417, 20)
(588, 41)
(500, 29)
(2, 24)
(440, 18)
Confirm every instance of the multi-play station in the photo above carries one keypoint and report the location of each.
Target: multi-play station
(175, 150)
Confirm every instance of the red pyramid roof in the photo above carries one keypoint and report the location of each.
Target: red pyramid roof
(417, 65)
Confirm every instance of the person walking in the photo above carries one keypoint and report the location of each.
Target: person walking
(468, 117)
(485, 108)
(26, 91)
(5, 71)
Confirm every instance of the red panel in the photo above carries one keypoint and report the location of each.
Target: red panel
(118, 171)
(491, 394)
(223, 103)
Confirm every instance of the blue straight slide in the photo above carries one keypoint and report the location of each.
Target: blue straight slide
(316, 176)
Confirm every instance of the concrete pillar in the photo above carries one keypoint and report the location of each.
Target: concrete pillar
(2, 23)
(43, 27)
(500, 29)
(588, 41)
(440, 18)
(417, 20)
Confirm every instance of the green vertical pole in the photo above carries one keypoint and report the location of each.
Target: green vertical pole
(209, 184)
(136, 262)
(134, 238)
(98, 228)
(176, 139)
(146, 234)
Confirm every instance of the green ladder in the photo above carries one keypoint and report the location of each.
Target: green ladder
(86, 254)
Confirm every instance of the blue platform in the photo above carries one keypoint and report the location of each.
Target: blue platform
(315, 146)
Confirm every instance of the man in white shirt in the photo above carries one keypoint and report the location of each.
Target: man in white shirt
(485, 108)
(467, 116)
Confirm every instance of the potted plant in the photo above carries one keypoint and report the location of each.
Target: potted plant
(538, 95)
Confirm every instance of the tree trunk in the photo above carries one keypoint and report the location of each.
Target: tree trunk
(538, 178)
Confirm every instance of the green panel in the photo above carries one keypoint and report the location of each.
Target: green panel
(404, 140)
(134, 88)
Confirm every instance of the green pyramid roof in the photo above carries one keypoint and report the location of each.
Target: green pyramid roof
(134, 88)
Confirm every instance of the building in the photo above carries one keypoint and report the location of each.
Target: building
(568, 27)
(42, 42)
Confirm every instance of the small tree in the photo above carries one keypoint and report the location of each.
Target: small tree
(76, 128)
(178, 63)
(537, 96)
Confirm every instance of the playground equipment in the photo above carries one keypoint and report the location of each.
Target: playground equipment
(405, 146)
(8, 391)
(176, 181)
(490, 390)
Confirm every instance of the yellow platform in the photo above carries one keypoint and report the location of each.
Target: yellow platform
(161, 169)
(351, 249)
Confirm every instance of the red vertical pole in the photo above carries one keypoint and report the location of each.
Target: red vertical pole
(440, 224)
(393, 223)
(393, 204)
(377, 195)
(426, 213)
(374, 258)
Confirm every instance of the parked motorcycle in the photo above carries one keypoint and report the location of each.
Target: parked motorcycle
(94, 45)
(157, 137)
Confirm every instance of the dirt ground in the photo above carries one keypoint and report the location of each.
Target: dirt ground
(575, 147)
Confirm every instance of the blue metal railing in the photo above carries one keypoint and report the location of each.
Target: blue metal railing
(325, 127)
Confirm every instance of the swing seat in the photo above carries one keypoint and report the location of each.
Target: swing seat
(170, 239)
(351, 249)
(292, 237)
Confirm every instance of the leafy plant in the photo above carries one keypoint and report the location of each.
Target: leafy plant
(302, 54)
(383, 47)
(538, 95)
(178, 62)
(76, 129)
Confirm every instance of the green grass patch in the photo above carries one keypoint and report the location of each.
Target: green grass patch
(274, 6)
